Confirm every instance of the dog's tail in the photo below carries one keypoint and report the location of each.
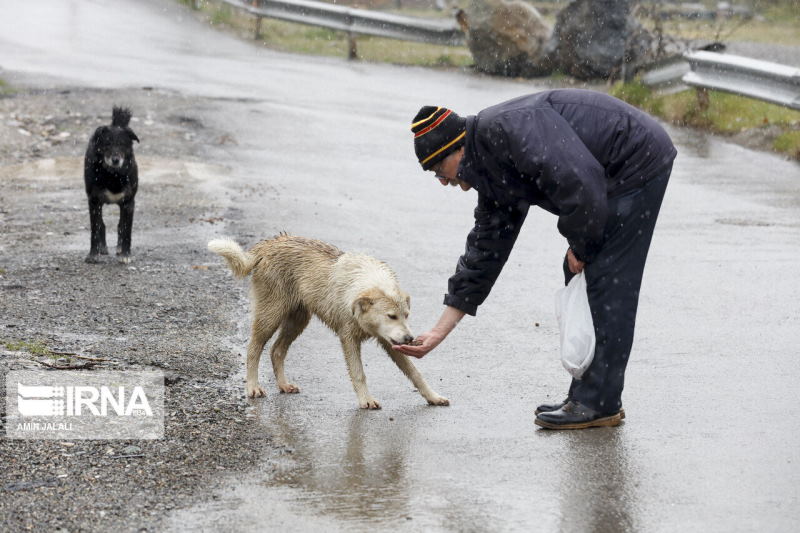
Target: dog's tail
(120, 116)
(240, 261)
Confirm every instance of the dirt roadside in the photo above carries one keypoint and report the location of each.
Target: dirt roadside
(173, 308)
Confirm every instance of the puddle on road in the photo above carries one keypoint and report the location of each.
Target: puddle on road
(409, 467)
(359, 471)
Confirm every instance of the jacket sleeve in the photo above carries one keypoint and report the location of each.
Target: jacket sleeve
(545, 147)
(488, 247)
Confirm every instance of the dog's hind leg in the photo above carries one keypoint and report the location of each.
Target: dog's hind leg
(265, 324)
(293, 325)
(352, 356)
(411, 372)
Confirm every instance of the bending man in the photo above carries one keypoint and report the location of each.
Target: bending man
(597, 163)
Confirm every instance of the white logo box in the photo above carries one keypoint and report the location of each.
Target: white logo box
(79, 404)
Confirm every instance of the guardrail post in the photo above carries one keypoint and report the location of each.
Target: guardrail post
(257, 34)
(352, 50)
(703, 100)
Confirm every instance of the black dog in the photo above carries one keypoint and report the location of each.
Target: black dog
(111, 177)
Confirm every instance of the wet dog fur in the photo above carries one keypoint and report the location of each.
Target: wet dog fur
(111, 177)
(355, 295)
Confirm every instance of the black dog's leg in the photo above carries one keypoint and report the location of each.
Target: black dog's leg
(98, 229)
(124, 230)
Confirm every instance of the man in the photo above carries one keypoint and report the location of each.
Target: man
(602, 167)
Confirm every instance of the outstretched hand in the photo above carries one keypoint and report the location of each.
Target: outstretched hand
(426, 342)
(420, 346)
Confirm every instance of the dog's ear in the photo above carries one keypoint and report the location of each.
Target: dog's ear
(408, 301)
(132, 135)
(366, 300)
(99, 132)
(362, 305)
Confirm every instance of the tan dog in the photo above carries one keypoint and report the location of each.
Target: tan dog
(357, 296)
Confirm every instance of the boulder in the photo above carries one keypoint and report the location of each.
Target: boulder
(599, 39)
(507, 38)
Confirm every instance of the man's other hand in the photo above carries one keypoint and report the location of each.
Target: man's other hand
(575, 265)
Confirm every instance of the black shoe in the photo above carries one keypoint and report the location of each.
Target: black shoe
(550, 407)
(576, 416)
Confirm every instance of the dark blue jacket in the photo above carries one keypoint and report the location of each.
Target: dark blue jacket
(566, 151)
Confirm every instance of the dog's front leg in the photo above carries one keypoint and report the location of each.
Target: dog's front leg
(407, 367)
(352, 356)
(97, 244)
(124, 231)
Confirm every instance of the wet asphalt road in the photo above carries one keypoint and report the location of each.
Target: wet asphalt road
(711, 441)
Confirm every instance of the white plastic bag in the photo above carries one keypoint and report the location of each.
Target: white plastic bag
(576, 326)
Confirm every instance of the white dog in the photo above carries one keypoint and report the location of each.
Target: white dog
(355, 295)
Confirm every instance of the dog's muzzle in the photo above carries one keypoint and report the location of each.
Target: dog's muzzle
(114, 161)
(406, 339)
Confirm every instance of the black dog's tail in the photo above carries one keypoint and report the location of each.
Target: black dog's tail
(120, 116)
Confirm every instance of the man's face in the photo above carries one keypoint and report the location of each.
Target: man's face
(446, 170)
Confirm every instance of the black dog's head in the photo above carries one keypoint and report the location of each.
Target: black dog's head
(113, 144)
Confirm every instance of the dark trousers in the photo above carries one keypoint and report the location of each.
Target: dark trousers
(613, 280)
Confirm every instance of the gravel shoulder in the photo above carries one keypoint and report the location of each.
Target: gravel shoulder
(174, 308)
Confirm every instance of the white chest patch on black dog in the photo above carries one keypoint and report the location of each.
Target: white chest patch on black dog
(113, 198)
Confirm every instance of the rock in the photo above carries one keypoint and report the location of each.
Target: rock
(171, 378)
(130, 450)
(593, 38)
(507, 38)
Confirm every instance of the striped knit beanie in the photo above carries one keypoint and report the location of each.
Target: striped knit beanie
(438, 132)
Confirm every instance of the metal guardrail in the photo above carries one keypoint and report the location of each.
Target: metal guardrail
(762, 80)
(667, 76)
(356, 21)
(771, 82)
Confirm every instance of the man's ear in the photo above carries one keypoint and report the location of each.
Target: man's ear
(132, 135)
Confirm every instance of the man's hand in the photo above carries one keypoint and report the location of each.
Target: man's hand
(575, 266)
(426, 342)
(421, 345)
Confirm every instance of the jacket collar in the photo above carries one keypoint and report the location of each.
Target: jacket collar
(468, 170)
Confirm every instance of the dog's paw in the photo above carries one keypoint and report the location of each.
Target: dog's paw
(369, 403)
(255, 391)
(438, 400)
(92, 258)
(289, 388)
